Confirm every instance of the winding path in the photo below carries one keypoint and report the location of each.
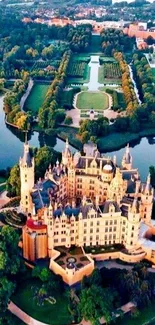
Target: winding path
(30, 320)
(23, 316)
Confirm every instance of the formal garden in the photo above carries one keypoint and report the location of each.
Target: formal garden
(97, 101)
(78, 71)
(109, 73)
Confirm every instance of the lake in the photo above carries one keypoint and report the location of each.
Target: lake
(11, 147)
(11, 142)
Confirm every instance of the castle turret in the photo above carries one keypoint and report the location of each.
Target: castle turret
(133, 223)
(146, 201)
(66, 154)
(127, 159)
(27, 179)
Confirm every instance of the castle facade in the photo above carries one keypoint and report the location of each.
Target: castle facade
(86, 201)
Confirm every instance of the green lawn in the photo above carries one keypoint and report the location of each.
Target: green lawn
(56, 314)
(36, 98)
(146, 315)
(92, 100)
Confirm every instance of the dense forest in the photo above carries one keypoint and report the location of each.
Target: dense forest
(113, 40)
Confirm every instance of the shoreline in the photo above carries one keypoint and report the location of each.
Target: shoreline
(117, 141)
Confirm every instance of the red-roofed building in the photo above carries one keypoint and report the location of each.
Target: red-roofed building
(139, 32)
(34, 240)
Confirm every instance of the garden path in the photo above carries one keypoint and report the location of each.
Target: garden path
(3, 198)
(29, 320)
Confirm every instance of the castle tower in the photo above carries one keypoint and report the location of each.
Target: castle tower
(133, 223)
(66, 155)
(48, 220)
(127, 159)
(146, 201)
(26, 165)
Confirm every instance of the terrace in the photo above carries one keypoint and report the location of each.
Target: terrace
(72, 255)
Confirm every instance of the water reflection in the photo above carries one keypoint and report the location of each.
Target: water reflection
(143, 153)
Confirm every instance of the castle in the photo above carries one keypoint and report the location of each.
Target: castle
(86, 202)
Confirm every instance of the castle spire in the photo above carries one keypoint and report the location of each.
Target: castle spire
(26, 141)
(135, 205)
(148, 182)
(127, 158)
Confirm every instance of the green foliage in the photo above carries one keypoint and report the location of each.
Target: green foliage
(48, 115)
(13, 182)
(9, 265)
(67, 97)
(144, 78)
(43, 158)
(94, 304)
(43, 274)
(95, 128)
(68, 120)
(115, 40)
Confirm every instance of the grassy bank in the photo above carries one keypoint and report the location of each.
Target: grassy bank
(116, 141)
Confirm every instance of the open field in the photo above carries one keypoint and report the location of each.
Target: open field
(56, 314)
(92, 100)
(36, 98)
